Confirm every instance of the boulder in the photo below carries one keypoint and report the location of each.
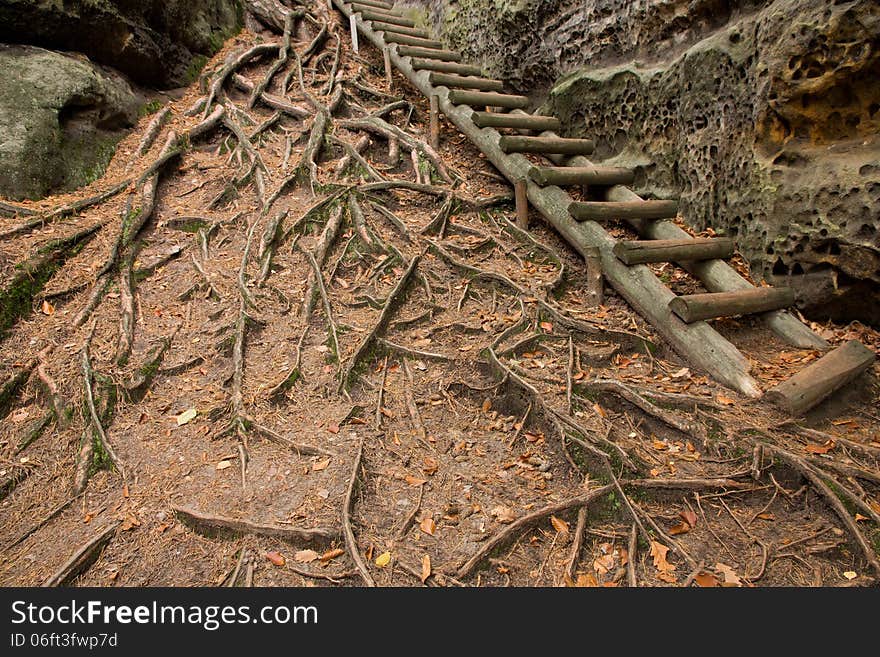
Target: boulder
(159, 43)
(60, 120)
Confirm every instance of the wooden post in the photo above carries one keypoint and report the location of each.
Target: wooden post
(817, 381)
(595, 282)
(700, 248)
(386, 54)
(434, 125)
(524, 144)
(522, 204)
(354, 32)
(694, 307)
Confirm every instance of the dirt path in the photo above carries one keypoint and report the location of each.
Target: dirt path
(266, 361)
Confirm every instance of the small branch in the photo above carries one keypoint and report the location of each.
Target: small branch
(350, 540)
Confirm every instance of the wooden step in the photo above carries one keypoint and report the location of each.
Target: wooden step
(701, 248)
(516, 121)
(821, 378)
(429, 53)
(581, 175)
(694, 307)
(371, 15)
(375, 7)
(403, 39)
(465, 82)
(487, 98)
(626, 210)
(399, 29)
(545, 145)
(446, 67)
(376, 4)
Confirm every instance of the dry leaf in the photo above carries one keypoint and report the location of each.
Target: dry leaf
(727, 401)
(130, 522)
(547, 326)
(599, 409)
(47, 308)
(680, 528)
(766, 516)
(849, 574)
(428, 526)
(667, 577)
(706, 580)
(333, 428)
(860, 517)
(659, 444)
(387, 413)
(584, 580)
(186, 416)
(426, 568)
(383, 559)
(487, 405)
(503, 514)
(320, 465)
(276, 558)
(826, 447)
(431, 466)
(414, 481)
(603, 564)
(224, 464)
(689, 517)
(658, 552)
(305, 556)
(730, 578)
(559, 525)
(331, 554)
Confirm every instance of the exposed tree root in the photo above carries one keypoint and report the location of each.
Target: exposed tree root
(350, 541)
(82, 559)
(221, 526)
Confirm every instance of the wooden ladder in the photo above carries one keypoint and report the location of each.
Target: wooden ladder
(458, 88)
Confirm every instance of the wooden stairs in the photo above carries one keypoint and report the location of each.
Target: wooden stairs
(461, 92)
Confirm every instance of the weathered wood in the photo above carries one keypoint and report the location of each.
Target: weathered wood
(434, 122)
(446, 67)
(389, 72)
(465, 82)
(699, 343)
(354, 33)
(372, 6)
(429, 53)
(393, 19)
(609, 210)
(84, 557)
(487, 99)
(595, 281)
(376, 4)
(400, 29)
(517, 121)
(558, 145)
(582, 175)
(694, 307)
(406, 40)
(522, 204)
(704, 248)
(821, 378)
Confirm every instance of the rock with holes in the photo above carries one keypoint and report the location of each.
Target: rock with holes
(60, 120)
(762, 116)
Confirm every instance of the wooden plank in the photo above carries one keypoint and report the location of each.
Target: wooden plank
(609, 210)
(516, 121)
(821, 378)
(429, 53)
(446, 67)
(487, 98)
(465, 82)
(581, 175)
(701, 248)
(696, 307)
(559, 145)
(406, 40)
(400, 29)
(371, 15)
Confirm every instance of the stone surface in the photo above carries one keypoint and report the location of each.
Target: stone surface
(60, 120)
(762, 117)
(155, 42)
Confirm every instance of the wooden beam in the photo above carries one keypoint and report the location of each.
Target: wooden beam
(369, 15)
(400, 29)
(373, 7)
(377, 4)
(465, 82)
(695, 307)
(821, 378)
(406, 40)
(429, 53)
(517, 121)
(434, 122)
(595, 281)
(522, 204)
(609, 211)
(487, 99)
(581, 175)
(446, 67)
(523, 144)
(701, 248)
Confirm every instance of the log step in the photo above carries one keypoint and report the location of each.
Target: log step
(625, 210)
(465, 82)
(701, 248)
(487, 98)
(546, 145)
(821, 378)
(446, 67)
(371, 15)
(399, 29)
(406, 40)
(429, 53)
(377, 7)
(517, 121)
(377, 4)
(581, 175)
(694, 307)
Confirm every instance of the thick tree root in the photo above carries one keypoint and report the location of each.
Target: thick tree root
(221, 526)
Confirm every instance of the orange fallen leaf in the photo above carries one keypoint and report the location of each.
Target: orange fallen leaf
(431, 466)
(426, 568)
(766, 516)
(276, 558)
(680, 528)
(428, 526)
(730, 578)
(331, 554)
(320, 465)
(333, 428)
(305, 556)
(727, 401)
(659, 444)
(603, 564)
(547, 326)
(706, 580)
(826, 447)
(599, 409)
(658, 552)
(414, 481)
(689, 517)
(47, 308)
(559, 525)
(387, 413)
(860, 517)
(487, 405)
(383, 559)
(504, 514)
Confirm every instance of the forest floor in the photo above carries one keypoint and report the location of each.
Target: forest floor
(269, 359)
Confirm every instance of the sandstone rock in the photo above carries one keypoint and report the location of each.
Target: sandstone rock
(60, 120)
(763, 117)
(156, 42)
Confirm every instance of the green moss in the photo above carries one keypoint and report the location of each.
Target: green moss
(150, 108)
(17, 298)
(86, 158)
(195, 68)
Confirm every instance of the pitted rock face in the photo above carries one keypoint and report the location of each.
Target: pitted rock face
(762, 116)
